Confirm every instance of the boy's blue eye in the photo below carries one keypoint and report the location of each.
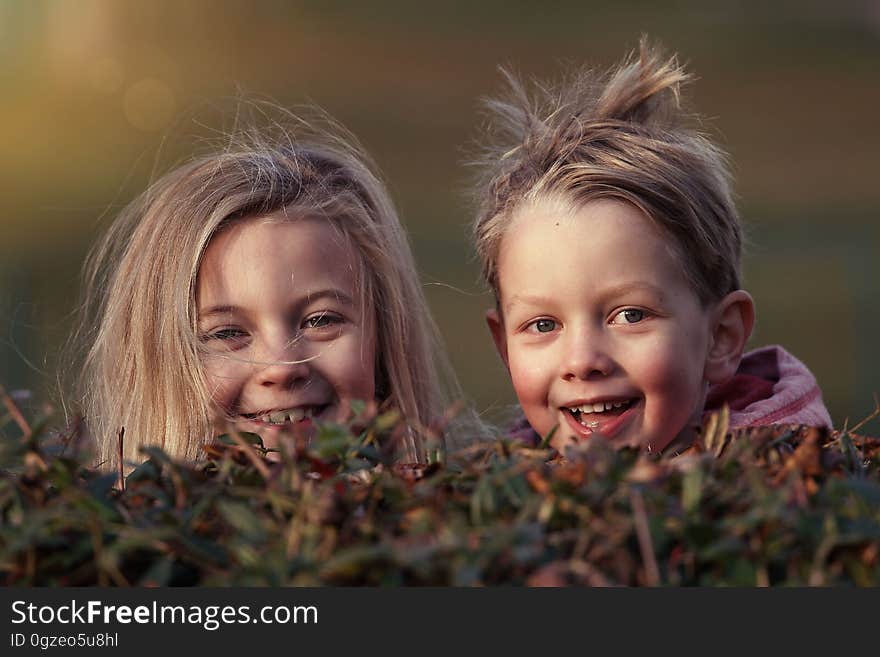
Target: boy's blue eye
(544, 325)
(629, 316)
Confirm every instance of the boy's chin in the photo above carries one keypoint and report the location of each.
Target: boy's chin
(684, 439)
(667, 444)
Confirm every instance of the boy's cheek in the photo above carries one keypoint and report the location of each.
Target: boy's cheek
(530, 382)
(524, 371)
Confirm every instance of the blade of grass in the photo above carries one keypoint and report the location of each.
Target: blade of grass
(643, 532)
(15, 412)
(252, 456)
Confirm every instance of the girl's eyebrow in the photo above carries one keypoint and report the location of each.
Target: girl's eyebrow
(329, 293)
(332, 293)
(218, 310)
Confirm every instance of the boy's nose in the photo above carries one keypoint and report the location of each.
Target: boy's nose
(586, 357)
(284, 365)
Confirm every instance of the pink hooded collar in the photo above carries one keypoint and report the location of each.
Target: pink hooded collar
(770, 387)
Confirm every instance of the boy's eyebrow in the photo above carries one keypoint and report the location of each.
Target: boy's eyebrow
(530, 299)
(331, 293)
(609, 293)
(635, 286)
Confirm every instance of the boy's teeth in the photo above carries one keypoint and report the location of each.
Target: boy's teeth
(598, 407)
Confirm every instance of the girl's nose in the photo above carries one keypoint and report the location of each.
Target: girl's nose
(586, 357)
(283, 366)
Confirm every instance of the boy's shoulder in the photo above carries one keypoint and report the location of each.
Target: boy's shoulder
(771, 386)
(521, 431)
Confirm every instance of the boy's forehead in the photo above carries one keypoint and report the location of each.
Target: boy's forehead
(553, 208)
(558, 210)
(582, 231)
(606, 246)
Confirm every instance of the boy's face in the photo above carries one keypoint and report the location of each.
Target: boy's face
(598, 326)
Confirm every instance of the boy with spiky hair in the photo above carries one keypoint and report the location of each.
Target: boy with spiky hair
(608, 233)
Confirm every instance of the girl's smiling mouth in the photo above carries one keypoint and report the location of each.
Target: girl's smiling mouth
(605, 417)
(285, 417)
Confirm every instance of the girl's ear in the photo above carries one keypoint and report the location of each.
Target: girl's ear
(732, 321)
(496, 328)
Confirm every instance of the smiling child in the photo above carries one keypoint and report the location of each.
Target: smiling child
(267, 295)
(609, 236)
(260, 287)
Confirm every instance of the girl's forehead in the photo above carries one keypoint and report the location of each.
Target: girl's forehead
(322, 230)
(300, 238)
(267, 255)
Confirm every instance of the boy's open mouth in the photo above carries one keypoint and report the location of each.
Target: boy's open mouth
(607, 417)
(590, 415)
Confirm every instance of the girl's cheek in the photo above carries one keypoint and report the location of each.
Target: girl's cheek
(222, 397)
(224, 380)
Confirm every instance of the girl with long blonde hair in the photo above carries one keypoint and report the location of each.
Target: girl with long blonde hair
(266, 286)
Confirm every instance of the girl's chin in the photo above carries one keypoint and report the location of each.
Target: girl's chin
(273, 434)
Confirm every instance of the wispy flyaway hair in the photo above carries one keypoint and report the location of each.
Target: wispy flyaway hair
(624, 136)
(142, 365)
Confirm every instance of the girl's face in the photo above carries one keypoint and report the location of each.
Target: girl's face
(283, 334)
(599, 328)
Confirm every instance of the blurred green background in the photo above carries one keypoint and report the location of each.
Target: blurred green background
(98, 96)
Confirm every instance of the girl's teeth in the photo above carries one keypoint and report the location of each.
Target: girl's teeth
(289, 415)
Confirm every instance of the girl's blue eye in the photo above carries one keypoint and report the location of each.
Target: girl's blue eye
(629, 316)
(321, 320)
(544, 325)
(225, 334)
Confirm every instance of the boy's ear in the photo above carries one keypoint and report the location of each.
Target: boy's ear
(496, 328)
(732, 323)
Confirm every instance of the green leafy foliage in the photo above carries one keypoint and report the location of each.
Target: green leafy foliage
(771, 506)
